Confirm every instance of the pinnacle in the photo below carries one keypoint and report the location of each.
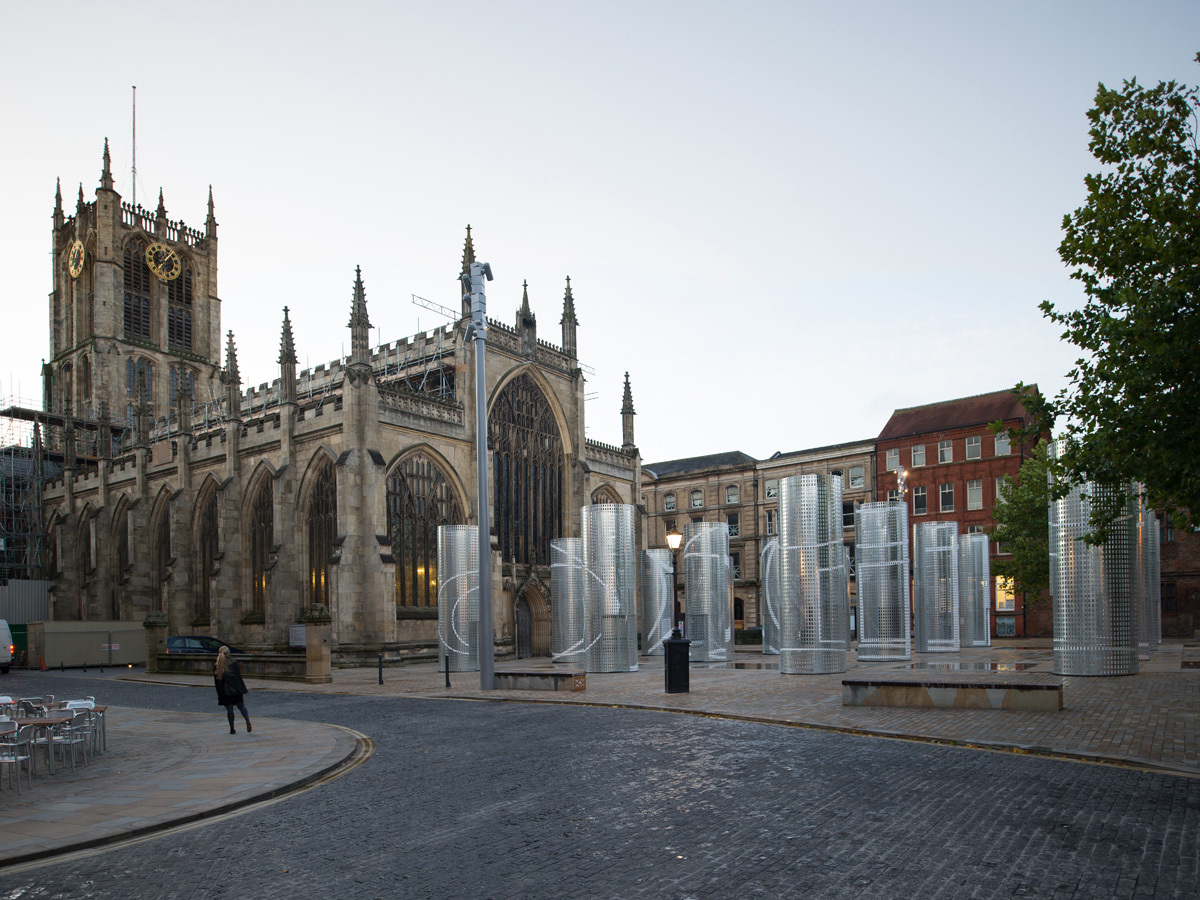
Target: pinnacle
(468, 253)
(287, 347)
(568, 315)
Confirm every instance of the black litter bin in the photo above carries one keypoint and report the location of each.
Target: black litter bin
(677, 661)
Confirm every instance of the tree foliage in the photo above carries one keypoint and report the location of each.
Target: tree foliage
(1132, 406)
(1023, 527)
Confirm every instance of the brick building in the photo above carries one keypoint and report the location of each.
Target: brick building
(954, 464)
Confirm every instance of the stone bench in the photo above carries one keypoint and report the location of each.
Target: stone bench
(1029, 694)
(540, 680)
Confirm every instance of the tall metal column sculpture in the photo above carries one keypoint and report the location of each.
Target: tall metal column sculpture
(458, 598)
(708, 591)
(769, 606)
(881, 536)
(473, 287)
(1149, 578)
(1092, 587)
(974, 590)
(935, 583)
(569, 623)
(814, 614)
(658, 598)
(610, 586)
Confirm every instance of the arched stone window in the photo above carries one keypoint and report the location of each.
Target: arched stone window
(50, 552)
(605, 495)
(162, 546)
(322, 531)
(527, 453)
(419, 499)
(121, 540)
(137, 291)
(208, 546)
(262, 540)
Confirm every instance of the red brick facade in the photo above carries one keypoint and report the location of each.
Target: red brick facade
(1180, 554)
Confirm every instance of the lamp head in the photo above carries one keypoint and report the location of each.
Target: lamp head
(674, 539)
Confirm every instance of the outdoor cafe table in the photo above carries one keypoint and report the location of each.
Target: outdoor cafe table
(43, 724)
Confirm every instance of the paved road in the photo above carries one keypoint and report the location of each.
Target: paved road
(480, 800)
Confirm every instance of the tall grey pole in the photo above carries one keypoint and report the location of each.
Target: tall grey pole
(474, 285)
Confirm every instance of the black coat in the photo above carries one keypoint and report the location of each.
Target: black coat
(231, 688)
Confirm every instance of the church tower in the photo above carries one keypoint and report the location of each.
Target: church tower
(135, 310)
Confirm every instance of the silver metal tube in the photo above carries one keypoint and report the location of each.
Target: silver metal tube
(610, 586)
(708, 591)
(935, 582)
(458, 598)
(881, 536)
(769, 577)
(569, 620)
(658, 587)
(974, 590)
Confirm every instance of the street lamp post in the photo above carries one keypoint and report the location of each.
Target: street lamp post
(674, 539)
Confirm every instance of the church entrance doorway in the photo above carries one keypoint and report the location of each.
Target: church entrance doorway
(524, 629)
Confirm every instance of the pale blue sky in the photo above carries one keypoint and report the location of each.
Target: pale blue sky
(783, 219)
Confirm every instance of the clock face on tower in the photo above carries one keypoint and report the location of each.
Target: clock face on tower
(163, 261)
(75, 259)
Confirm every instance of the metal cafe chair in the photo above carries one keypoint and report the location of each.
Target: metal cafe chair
(90, 730)
(16, 747)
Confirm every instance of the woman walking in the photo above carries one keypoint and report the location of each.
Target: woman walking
(230, 688)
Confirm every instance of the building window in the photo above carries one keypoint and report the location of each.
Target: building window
(974, 529)
(137, 292)
(731, 494)
(121, 533)
(697, 499)
(732, 519)
(918, 455)
(772, 488)
(920, 501)
(851, 563)
(668, 525)
(735, 561)
(162, 547)
(262, 540)
(974, 447)
(945, 451)
(770, 521)
(1001, 481)
(893, 494)
(209, 548)
(1166, 529)
(848, 513)
(1170, 603)
(975, 493)
(1005, 601)
(856, 476)
(527, 452)
(893, 459)
(669, 502)
(139, 380)
(1002, 444)
(696, 520)
(419, 499)
(322, 531)
(185, 377)
(946, 498)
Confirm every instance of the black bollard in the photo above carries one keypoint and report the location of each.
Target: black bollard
(447, 670)
(101, 668)
(381, 668)
(62, 667)
(85, 665)
(676, 662)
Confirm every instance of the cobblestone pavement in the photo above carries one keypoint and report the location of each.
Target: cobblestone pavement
(510, 800)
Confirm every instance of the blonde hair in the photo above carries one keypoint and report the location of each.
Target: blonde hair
(222, 665)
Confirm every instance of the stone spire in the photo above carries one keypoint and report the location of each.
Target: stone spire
(160, 217)
(80, 204)
(59, 215)
(627, 415)
(526, 323)
(210, 225)
(569, 323)
(106, 179)
(232, 379)
(360, 333)
(162, 207)
(468, 258)
(287, 362)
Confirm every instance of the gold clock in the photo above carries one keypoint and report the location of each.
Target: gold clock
(75, 259)
(164, 261)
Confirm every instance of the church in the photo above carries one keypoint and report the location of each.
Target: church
(236, 512)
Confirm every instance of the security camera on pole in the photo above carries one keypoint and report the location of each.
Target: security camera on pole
(473, 287)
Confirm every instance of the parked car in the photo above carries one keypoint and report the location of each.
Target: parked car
(6, 647)
(197, 643)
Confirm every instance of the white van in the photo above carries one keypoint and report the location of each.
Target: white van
(6, 647)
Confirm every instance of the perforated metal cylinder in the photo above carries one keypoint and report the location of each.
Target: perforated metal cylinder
(935, 587)
(769, 613)
(1092, 587)
(610, 586)
(569, 620)
(708, 589)
(458, 597)
(881, 544)
(658, 599)
(974, 590)
(1147, 580)
(813, 613)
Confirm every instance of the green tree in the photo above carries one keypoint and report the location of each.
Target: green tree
(1022, 526)
(1132, 406)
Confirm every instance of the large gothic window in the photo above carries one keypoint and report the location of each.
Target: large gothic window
(137, 291)
(179, 311)
(207, 537)
(121, 539)
(322, 531)
(262, 539)
(527, 455)
(162, 546)
(419, 499)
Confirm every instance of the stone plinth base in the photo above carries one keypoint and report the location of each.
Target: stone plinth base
(540, 681)
(1040, 696)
